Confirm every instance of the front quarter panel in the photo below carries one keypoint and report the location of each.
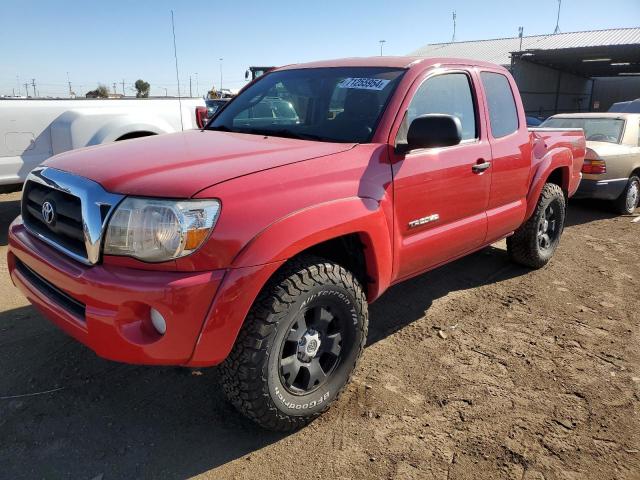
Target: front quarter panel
(252, 204)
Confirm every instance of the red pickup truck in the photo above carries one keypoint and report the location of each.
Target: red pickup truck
(258, 241)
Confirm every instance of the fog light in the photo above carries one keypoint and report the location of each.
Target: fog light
(158, 321)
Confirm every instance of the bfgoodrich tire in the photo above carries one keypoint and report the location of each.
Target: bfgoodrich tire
(627, 202)
(535, 242)
(298, 346)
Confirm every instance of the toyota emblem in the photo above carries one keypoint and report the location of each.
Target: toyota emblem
(48, 213)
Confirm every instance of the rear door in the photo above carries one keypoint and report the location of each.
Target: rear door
(440, 195)
(511, 152)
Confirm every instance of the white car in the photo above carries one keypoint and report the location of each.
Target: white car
(33, 130)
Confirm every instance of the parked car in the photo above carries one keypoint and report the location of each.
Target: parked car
(533, 121)
(269, 111)
(259, 247)
(612, 164)
(33, 130)
(631, 106)
(213, 105)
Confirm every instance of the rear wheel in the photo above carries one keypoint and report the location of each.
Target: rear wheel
(535, 242)
(628, 201)
(299, 345)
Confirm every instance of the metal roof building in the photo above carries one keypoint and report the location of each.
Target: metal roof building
(560, 72)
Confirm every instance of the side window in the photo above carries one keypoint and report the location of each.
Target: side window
(449, 93)
(503, 114)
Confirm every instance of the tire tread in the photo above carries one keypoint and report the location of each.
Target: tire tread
(243, 374)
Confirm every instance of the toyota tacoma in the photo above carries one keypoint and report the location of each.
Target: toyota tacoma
(258, 241)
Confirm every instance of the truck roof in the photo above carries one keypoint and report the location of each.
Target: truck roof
(388, 61)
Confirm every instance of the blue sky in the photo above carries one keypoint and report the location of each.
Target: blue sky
(113, 40)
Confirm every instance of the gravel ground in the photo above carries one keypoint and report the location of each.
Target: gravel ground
(480, 369)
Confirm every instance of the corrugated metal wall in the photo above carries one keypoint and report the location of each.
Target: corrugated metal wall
(607, 91)
(546, 91)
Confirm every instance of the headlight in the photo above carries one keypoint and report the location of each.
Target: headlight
(160, 230)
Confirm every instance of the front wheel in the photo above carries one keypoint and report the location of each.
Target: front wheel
(535, 242)
(628, 201)
(298, 346)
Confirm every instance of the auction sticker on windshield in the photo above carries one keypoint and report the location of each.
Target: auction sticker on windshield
(363, 83)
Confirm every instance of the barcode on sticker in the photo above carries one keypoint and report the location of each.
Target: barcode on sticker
(364, 83)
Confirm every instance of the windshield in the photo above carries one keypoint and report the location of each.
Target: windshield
(595, 129)
(327, 104)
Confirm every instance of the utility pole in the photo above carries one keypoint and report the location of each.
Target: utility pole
(165, 91)
(18, 82)
(197, 86)
(33, 84)
(557, 30)
(381, 42)
(69, 83)
(123, 94)
(453, 37)
(520, 34)
(190, 92)
(26, 88)
(221, 77)
(114, 88)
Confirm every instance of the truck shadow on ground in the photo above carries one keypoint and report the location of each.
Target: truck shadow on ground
(8, 211)
(588, 210)
(66, 413)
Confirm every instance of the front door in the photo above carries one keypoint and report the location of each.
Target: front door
(441, 194)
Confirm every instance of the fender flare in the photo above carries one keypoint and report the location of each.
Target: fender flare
(310, 226)
(558, 158)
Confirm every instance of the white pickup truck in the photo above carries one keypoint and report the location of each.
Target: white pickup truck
(33, 130)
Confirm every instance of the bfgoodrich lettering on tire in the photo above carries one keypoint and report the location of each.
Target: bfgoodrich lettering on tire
(298, 346)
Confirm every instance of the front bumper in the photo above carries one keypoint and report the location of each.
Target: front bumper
(107, 308)
(601, 189)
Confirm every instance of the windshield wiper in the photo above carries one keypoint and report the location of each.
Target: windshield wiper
(280, 132)
(220, 128)
(283, 132)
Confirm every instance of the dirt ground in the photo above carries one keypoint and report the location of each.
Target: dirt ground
(536, 375)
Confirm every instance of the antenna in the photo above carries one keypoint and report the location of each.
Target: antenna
(453, 38)
(175, 54)
(557, 30)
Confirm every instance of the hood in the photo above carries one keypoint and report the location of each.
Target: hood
(608, 149)
(179, 165)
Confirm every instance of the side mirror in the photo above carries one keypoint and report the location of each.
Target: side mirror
(434, 130)
(246, 75)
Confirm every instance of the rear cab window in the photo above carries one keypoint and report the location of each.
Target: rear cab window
(503, 114)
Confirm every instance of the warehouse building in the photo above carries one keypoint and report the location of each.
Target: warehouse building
(563, 72)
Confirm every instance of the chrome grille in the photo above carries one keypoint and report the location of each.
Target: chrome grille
(81, 208)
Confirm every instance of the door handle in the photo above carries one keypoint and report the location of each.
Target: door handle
(480, 166)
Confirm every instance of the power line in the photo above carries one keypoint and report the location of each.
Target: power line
(557, 29)
(175, 54)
